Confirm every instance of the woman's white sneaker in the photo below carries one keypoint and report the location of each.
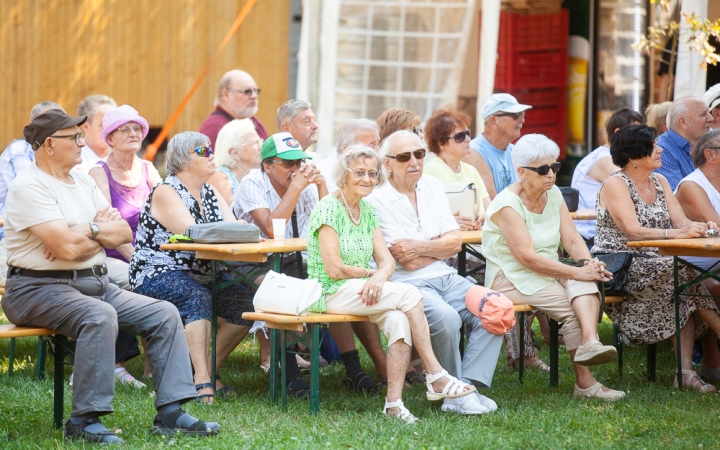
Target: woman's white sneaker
(469, 404)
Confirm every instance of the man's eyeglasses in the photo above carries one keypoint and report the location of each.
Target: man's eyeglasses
(544, 169)
(288, 164)
(515, 116)
(127, 129)
(360, 174)
(460, 136)
(405, 156)
(77, 137)
(204, 151)
(247, 92)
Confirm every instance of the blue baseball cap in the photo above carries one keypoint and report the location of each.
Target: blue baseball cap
(502, 102)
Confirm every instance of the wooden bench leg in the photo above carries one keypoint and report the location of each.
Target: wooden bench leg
(41, 355)
(554, 328)
(315, 369)
(12, 357)
(619, 347)
(651, 353)
(521, 345)
(61, 343)
(274, 349)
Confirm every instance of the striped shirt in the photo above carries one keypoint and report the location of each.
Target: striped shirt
(256, 192)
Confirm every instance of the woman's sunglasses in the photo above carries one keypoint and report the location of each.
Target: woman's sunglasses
(460, 137)
(203, 151)
(544, 169)
(405, 156)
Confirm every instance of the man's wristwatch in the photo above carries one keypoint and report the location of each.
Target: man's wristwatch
(95, 230)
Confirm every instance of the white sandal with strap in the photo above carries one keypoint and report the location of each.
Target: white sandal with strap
(405, 415)
(691, 380)
(453, 389)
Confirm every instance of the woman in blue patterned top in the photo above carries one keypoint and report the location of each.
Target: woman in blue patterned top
(343, 235)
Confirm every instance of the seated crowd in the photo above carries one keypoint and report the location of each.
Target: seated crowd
(85, 219)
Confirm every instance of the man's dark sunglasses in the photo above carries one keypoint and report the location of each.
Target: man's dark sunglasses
(515, 116)
(460, 137)
(544, 169)
(405, 156)
(288, 163)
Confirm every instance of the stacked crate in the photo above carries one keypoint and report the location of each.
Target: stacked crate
(532, 65)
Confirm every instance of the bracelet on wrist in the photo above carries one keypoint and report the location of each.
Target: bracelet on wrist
(666, 232)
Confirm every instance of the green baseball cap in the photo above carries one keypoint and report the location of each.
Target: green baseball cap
(284, 146)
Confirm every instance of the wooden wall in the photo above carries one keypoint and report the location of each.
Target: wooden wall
(146, 53)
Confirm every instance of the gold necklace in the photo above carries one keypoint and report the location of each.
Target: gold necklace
(352, 216)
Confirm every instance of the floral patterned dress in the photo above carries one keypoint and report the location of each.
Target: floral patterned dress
(647, 313)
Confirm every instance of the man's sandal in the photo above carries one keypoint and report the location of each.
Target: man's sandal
(224, 391)
(362, 383)
(202, 398)
(405, 415)
(453, 389)
(83, 432)
(167, 425)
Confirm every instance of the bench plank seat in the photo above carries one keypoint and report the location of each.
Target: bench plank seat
(14, 331)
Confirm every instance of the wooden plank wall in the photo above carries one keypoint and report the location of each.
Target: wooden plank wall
(140, 52)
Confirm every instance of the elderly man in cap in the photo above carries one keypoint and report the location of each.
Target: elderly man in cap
(237, 98)
(711, 97)
(503, 117)
(687, 120)
(57, 223)
(420, 231)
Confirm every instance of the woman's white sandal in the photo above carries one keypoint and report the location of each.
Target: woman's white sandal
(453, 389)
(405, 415)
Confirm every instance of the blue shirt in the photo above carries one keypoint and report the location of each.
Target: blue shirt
(499, 161)
(17, 157)
(676, 160)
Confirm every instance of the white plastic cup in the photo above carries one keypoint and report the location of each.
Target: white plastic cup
(279, 228)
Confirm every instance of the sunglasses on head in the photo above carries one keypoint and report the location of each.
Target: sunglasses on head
(204, 151)
(544, 169)
(460, 136)
(515, 116)
(405, 156)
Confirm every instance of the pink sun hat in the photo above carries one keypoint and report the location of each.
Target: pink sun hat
(116, 117)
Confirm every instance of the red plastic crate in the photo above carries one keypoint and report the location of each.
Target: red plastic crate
(535, 32)
(538, 98)
(556, 132)
(531, 70)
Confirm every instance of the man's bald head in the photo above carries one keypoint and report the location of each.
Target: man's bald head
(237, 93)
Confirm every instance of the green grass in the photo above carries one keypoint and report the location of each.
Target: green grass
(530, 415)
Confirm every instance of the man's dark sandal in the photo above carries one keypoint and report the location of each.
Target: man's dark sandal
(297, 387)
(362, 383)
(164, 424)
(200, 387)
(225, 390)
(77, 433)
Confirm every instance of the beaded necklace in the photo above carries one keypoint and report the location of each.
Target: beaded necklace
(352, 216)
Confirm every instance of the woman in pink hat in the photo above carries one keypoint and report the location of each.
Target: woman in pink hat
(125, 180)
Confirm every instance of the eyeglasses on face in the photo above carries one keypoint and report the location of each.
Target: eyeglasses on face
(515, 116)
(405, 156)
(360, 174)
(77, 137)
(126, 130)
(204, 151)
(544, 169)
(254, 144)
(246, 92)
(288, 164)
(460, 136)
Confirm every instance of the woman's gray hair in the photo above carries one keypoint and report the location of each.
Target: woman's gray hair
(178, 150)
(354, 153)
(707, 140)
(347, 135)
(288, 110)
(232, 135)
(533, 147)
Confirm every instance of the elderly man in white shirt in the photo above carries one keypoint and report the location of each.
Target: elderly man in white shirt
(352, 132)
(420, 230)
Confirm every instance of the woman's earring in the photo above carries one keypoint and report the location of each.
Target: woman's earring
(635, 165)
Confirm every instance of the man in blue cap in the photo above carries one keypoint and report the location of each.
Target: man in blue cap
(503, 117)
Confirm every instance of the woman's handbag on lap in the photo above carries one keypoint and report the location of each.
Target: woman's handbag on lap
(619, 265)
(462, 197)
(281, 294)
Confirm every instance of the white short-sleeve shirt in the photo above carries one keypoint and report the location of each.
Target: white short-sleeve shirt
(35, 198)
(398, 220)
(257, 192)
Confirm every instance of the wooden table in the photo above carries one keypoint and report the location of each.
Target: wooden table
(584, 214)
(243, 252)
(677, 248)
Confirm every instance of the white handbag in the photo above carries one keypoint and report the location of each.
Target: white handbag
(462, 197)
(281, 294)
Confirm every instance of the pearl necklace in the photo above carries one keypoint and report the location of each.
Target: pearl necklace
(352, 216)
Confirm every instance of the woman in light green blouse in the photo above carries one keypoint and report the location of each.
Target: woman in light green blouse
(524, 227)
(343, 234)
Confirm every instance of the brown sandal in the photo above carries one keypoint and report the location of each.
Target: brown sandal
(691, 380)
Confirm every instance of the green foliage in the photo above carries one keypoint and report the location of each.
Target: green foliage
(531, 415)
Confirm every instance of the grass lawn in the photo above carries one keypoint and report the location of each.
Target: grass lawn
(530, 415)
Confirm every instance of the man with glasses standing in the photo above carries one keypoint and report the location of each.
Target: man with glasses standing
(421, 232)
(237, 98)
(503, 117)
